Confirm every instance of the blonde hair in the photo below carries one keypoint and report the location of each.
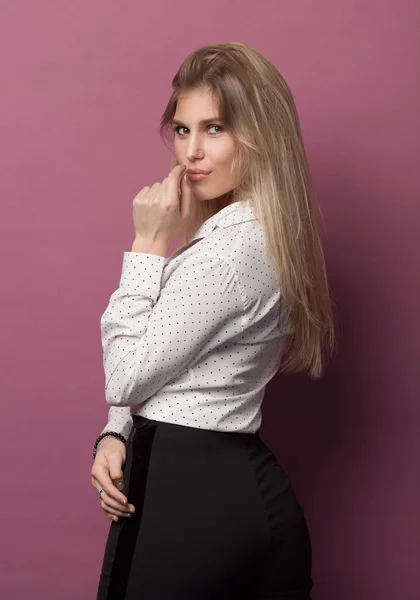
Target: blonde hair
(257, 107)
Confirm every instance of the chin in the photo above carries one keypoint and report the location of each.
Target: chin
(207, 195)
(203, 195)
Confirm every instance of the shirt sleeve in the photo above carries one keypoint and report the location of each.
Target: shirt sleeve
(119, 420)
(152, 334)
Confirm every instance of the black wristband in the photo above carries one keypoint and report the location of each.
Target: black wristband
(105, 434)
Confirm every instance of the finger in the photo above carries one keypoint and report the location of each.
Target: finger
(112, 507)
(109, 500)
(175, 176)
(173, 183)
(177, 171)
(104, 481)
(186, 200)
(115, 463)
(115, 516)
(111, 512)
(141, 194)
(154, 191)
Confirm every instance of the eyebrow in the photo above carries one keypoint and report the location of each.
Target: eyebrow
(203, 122)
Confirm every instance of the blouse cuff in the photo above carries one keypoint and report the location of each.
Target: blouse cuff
(142, 274)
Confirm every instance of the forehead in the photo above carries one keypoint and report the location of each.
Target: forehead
(197, 104)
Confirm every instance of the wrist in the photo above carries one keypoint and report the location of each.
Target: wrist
(105, 435)
(148, 246)
(106, 439)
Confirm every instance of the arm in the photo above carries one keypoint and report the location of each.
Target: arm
(152, 334)
(119, 417)
(119, 420)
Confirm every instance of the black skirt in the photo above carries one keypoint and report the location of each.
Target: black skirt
(216, 517)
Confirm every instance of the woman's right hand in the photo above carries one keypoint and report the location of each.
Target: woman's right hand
(107, 474)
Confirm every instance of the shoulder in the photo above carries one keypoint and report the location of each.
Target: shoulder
(243, 248)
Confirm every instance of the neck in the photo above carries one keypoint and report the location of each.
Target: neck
(203, 211)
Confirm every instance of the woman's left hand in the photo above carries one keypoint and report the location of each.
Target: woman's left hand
(160, 211)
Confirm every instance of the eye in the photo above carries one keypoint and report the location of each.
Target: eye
(177, 129)
(181, 130)
(219, 126)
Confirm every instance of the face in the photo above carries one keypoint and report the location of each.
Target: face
(201, 142)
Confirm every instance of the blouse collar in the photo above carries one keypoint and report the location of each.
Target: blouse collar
(232, 214)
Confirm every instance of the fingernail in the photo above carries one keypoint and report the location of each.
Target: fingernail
(123, 501)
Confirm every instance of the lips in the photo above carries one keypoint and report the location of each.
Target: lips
(197, 174)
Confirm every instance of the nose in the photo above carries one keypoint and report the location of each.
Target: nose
(194, 150)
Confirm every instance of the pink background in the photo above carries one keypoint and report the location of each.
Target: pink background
(83, 85)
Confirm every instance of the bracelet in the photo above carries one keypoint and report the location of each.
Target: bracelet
(105, 434)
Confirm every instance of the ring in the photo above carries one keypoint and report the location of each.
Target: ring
(100, 492)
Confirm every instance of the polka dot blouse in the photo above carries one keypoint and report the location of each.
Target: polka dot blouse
(194, 338)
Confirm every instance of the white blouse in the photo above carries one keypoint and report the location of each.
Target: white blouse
(194, 338)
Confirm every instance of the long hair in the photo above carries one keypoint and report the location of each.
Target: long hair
(258, 108)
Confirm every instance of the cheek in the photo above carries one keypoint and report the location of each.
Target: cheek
(223, 157)
(177, 152)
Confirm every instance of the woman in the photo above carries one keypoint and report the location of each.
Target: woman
(190, 342)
